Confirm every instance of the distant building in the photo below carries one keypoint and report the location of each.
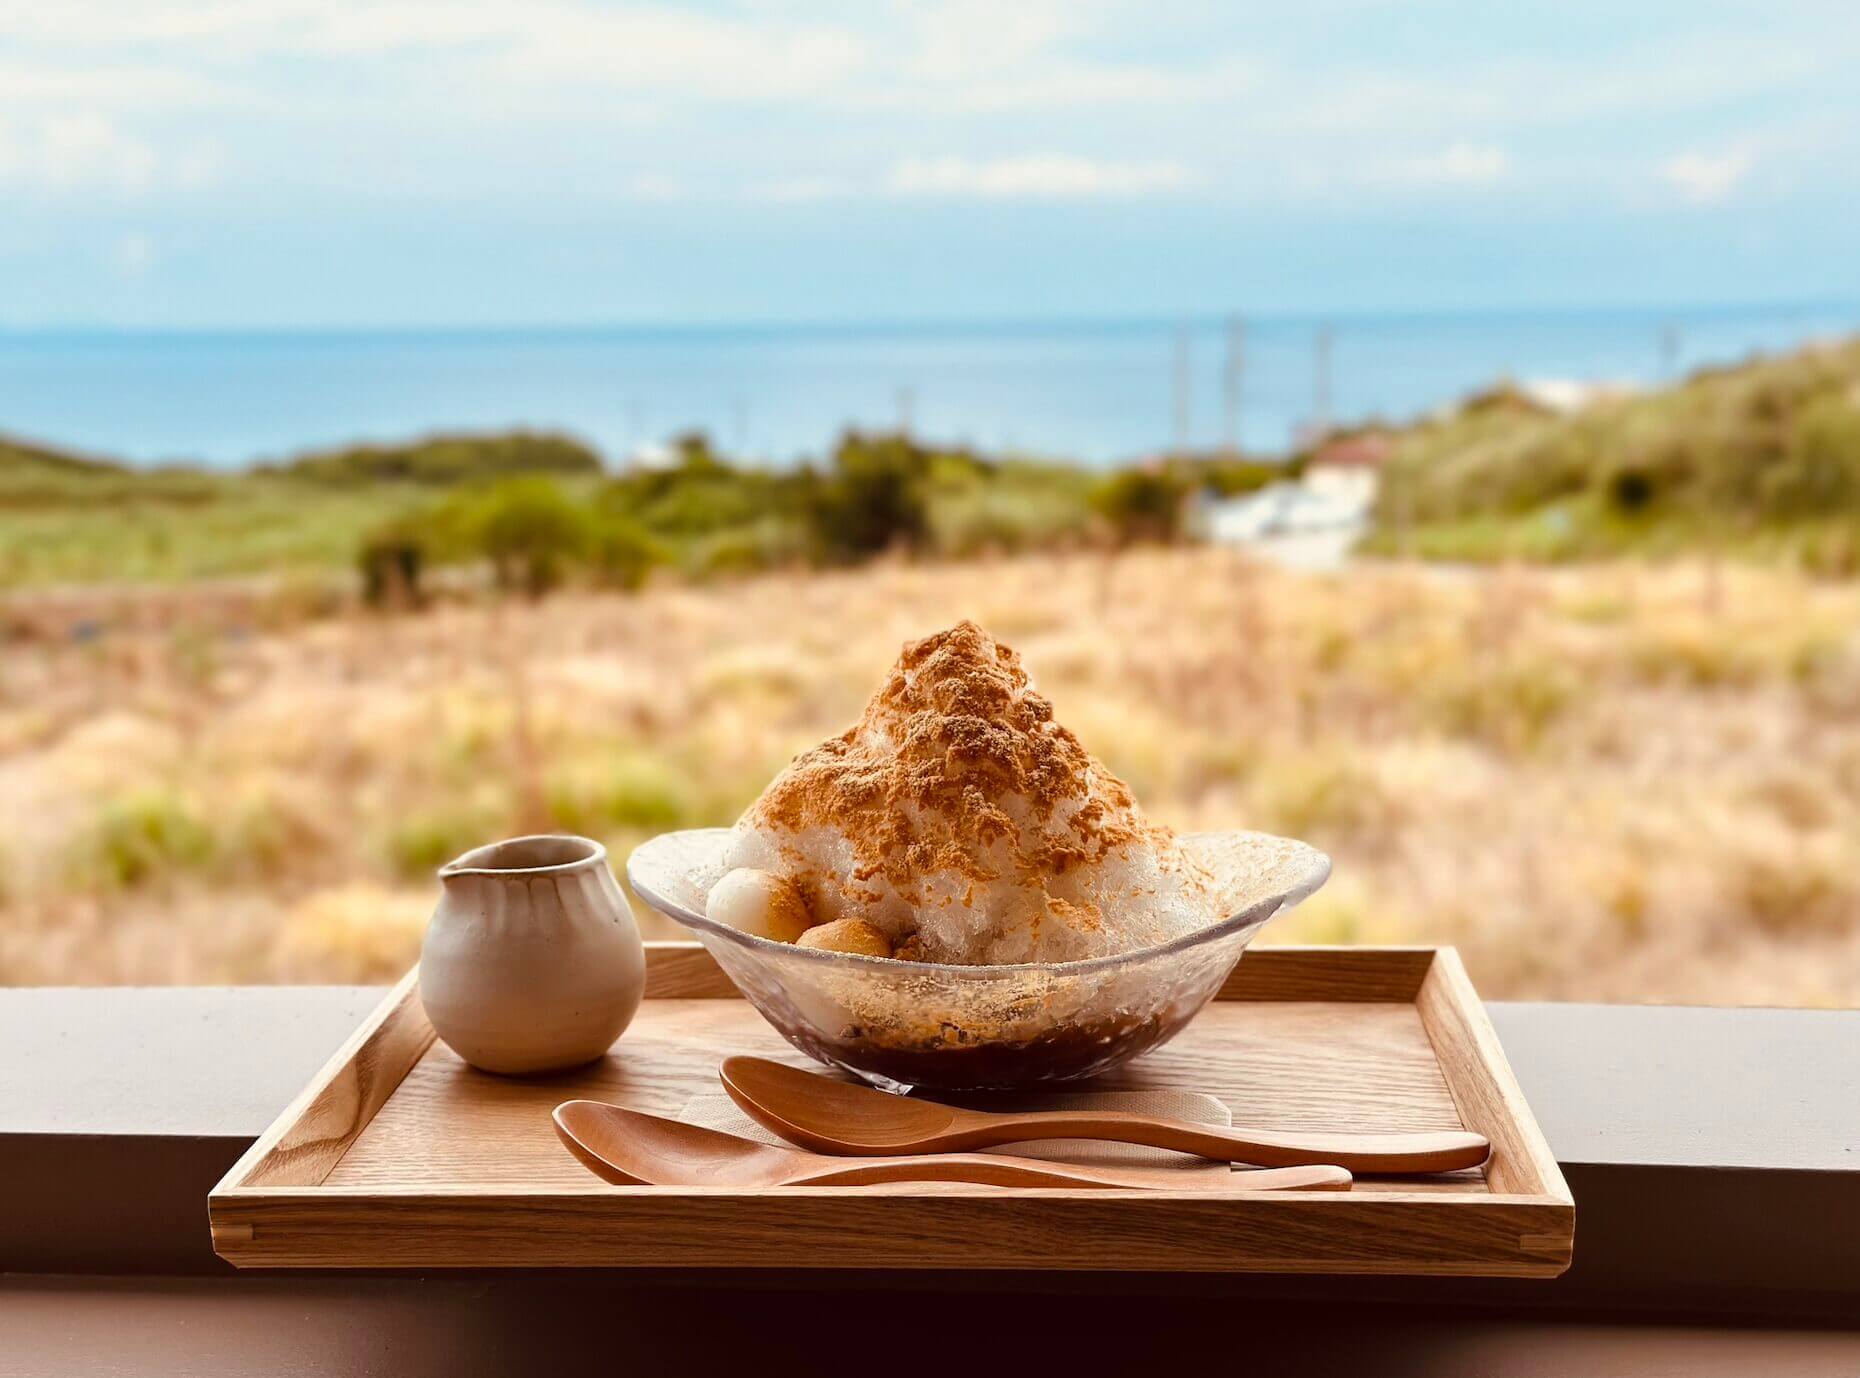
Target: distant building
(1345, 467)
(1278, 509)
(1566, 395)
(653, 457)
(1334, 494)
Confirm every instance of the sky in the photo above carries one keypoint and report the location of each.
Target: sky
(379, 163)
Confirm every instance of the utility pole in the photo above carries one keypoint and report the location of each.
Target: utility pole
(1320, 402)
(1182, 401)
(1236, 362)
(1669, 351)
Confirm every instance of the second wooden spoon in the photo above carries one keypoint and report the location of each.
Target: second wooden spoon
(830, 1116)
(632, 1148)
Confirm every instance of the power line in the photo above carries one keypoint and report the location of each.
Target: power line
(1236, 363)
(1183, 416)
(1320, 401)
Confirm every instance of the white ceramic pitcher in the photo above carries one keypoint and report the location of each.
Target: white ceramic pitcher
(532, 961)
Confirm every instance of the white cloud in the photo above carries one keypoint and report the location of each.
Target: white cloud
(954, 37)
(656, 47)
(1458, 164)
(957, 56)
(46, 84)
(1041, 177)
(460, 100)
(1705, 177)
(668, 50)
(982, 57)
(68, 154)
(74, 152)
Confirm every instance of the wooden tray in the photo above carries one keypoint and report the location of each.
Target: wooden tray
(397, 1155)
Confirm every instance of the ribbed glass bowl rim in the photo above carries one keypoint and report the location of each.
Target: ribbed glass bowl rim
(1257, 914)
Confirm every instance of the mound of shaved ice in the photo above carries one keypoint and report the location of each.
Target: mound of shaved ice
(970, 828)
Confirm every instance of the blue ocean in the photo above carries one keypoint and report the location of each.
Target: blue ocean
(1092, 391)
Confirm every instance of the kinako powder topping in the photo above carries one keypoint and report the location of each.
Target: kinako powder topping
(957, 771)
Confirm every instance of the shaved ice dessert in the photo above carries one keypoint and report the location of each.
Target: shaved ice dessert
(958, 823)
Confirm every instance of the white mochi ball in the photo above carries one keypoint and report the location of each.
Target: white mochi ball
(759, 903)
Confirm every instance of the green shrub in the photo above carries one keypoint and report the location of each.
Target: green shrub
(532, 533)
(447, 459)
(700, 505)
(1142, 504)
(696, 456)
(768, 544)
(1631, 491)
(1820, 472)
(1728, 453)
(1004, 514)
(390, 560)
(711, 518)
(419, 843)
(1509, 705)
(873, 499)
(139, 838)
(620, 555)
(1319, 793)
(1232, 477)
(627, 791)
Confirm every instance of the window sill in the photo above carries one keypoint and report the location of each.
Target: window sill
(1714, 1154)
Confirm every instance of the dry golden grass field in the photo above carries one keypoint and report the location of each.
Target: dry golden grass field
(1614, 782)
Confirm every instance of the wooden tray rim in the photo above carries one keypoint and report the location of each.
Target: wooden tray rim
(1524, 1181)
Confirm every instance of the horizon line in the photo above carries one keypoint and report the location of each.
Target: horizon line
(927, 324)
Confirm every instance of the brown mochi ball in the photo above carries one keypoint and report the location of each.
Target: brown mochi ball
(846, 935)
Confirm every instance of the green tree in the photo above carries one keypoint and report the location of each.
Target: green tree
(391, 559)
(1141, 504)
(620, 554)
(874, 498)
(533, 534)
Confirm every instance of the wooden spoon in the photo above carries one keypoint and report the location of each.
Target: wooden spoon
(631, 1148)
(830, 1116)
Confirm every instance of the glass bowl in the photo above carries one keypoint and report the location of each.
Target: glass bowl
(903, 1024)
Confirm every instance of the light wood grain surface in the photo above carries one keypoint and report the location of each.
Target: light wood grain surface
(901, 1227)
(1277, 1066)
(342, 1099)
(400, 1155)
(1483, 1087)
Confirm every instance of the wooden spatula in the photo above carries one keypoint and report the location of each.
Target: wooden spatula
(838, 1117)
